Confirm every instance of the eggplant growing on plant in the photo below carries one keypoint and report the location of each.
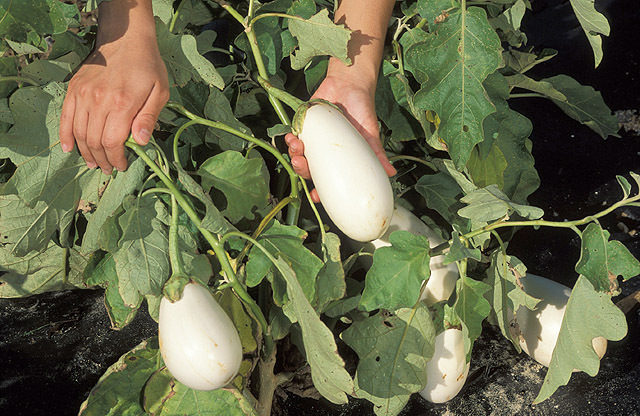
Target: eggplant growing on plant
(448, 368)
(352, 184)
(539, 329)
(198, 341)
(442, 280)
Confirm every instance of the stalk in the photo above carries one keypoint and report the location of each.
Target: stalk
(216, 246)
(19, 79)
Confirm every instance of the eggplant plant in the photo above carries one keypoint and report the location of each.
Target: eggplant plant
(213, 205)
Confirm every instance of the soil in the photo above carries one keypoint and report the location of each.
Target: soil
(54, 347)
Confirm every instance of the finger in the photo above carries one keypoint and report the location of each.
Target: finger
(116, 132)
(80, 121)
(145, 121)
(314, 196)
(301, 167)
(66, 124)
(296, 148)
(288, 137)
(95, 129)
(374, 142)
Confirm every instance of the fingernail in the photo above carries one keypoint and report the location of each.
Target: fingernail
(143, 136)
(91, 165)
(295, 164)
(106, 172)
(66, 148)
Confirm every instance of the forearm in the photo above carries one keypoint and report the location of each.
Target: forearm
(368, 19)
(120, 19)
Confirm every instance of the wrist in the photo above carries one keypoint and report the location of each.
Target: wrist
(125, 22)
(364, 76)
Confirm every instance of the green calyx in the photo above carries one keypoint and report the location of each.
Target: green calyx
(301, 112)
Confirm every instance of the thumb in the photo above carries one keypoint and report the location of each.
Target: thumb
(145, 121)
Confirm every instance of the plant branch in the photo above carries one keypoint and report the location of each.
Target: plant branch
(19, 79)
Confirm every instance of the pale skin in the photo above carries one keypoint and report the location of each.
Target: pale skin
(120, 88)
(353, 87)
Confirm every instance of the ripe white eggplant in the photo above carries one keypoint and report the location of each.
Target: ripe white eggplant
(352, 184)
(447, 370)
(198, 341)
(539, 329)
(442, 280)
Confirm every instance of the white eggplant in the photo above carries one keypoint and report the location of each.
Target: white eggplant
(442, 280)
(539, 329)
(447, 370)
(352, 184)
(198, 341)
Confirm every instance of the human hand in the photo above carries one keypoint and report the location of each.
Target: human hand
(121, 88)
(356, 98)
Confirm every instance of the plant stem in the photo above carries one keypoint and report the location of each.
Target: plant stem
(286, 16)
(293, 102)
(268, 383)
(527, 95)
(323, 233)
(216, 246)
(182, 128)
(413, 159)
(263, 224)
(177, 268)
(19, 79)
(174, 19)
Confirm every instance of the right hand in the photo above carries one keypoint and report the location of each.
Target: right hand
(120, 88)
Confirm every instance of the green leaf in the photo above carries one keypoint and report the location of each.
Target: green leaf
(118, 390)
(330, 281)
(218, 108)
(488, 170)
(397, 273)
(456, 61)
(318, 36)
(588, 315)
(165, 397)
(241, 320)
(327, 367)
(505, 295)
(624, 184)
(240, 179)
(459, 251)
(488, 204)
(213, 219)
(430, 9)
(602, 261)
(509, 22)
(142, 259)
(471, 308)
(184, 62)
(54, 70)
(119, 186)
(585, 105)
(442, 193)
(542, 87)
(594, 25)
(30, 18)
(36, 272)
(51, 183)
(287, 242)
(394, 350)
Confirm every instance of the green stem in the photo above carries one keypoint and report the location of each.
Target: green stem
(177, 267)
(251, 9)
(182, 128)
(527, 95)
(19, 79)
(155, 191)
(556, 224)
(65, 265)
(286, 16)
(323, 233)
(174, 19)
(413, 159)
(210, 237)
(263, 224)
(293, 102)
(292, 214)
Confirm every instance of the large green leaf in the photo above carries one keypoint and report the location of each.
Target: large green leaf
(184, 62)
(456, 58)
(318, 36)
(442, 193)
(593, 23)
(327, 367)
(287, 242)
(118, 390)
(219, 109)
(240, 179)
(330, 283)
(589, 314)
(163, 396)
(585, 105)
(50, 182)
(20, 19)
(471, 308)
(602, 261)
(394, 350)
(142, 258)
(488, 204)
(397, 273)
(54, 269)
